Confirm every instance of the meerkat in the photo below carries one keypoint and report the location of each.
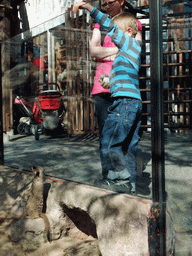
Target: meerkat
(35, 200)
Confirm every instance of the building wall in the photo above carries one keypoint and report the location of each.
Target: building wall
(40, 11)
(6, 31)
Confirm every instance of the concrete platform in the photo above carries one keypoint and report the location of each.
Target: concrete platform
(118, 223)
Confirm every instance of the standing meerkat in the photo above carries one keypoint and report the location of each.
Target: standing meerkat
(35, 201)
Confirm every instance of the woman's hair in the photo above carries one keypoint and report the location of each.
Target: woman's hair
(127, 7)
(125, 20)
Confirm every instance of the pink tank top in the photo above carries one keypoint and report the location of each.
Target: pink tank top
(102, 67)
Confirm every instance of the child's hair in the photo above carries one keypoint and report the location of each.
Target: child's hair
(125, 20)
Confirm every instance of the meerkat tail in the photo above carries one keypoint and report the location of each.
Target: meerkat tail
(47, 225)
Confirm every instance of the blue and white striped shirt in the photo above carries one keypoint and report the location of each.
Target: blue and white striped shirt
(124, 76)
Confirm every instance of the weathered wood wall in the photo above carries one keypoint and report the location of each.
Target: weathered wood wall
(80, 105)
(9, 26)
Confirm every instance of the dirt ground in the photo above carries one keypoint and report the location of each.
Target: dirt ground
(66, 246)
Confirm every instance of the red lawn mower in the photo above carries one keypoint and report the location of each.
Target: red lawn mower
(45, 116)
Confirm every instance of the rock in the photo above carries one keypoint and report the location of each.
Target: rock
(119, 221)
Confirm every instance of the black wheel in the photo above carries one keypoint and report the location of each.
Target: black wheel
(28, 129)
(23, 129)
(36, 132)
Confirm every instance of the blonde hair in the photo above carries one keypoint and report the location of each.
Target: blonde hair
(125, 20)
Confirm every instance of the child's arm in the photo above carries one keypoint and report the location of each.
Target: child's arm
(96, 14)
(109, 26)
(105, 54)
(82, 5)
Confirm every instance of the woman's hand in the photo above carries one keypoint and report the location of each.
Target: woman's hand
(82, 5)
(78, 6)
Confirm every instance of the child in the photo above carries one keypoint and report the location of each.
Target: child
(119, 139)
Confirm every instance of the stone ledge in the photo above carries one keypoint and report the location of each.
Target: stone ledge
(118, 223)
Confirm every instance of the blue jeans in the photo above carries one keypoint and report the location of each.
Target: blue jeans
(119, 139)
(102, 103)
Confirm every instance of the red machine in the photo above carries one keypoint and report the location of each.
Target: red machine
(45, 116)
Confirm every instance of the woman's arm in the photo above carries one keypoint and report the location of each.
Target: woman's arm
(96, 50)
(99, 52)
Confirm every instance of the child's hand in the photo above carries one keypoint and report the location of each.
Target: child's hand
(105, 85)
(78, 6)
(104, 80)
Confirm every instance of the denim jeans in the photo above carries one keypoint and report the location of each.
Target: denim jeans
(119, 139)
(102, 103)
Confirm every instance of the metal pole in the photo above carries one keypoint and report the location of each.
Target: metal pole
(1, 116)
(158, 211)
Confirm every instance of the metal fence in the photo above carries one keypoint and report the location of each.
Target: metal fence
(177, 78)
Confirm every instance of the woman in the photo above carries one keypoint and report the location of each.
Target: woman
(105, 53)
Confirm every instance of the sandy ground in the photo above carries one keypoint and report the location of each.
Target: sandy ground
(66, 246)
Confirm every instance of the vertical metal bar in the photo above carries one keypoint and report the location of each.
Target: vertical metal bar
(53, 64)
(49, 56)
(1, 116)
(158, 169)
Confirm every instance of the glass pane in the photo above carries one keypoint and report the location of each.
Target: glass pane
(50, 115)
(54, 125)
